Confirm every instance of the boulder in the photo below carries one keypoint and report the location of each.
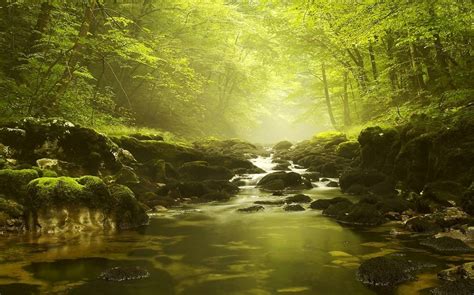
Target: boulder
(282, 145)
(283, 180)
(386, 271)
(337, 209)
(348, 149)
(322, 204)
(11, 216)
(277, 203)
(446, 245)
(199, 170)
(363, 215)
(293, 207)
(255, 208)
(367, 180)
(332, 184)
(13, 182)
(422, 225)
(299, 198)
(460, 272)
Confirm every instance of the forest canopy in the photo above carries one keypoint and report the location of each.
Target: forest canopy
(235, 68)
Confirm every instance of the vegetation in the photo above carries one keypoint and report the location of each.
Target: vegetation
(223, 68)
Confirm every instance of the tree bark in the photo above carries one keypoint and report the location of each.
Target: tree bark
(345, 100)
(372, 61)
(326, 95)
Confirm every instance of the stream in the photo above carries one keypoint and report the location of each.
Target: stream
(212, 249)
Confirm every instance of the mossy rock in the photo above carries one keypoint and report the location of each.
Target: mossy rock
(337, 209)
(282, 180)
(299, 198)
(422, 225)
(13, 182)
(447, 245)
(393, 204)
(386, 271)
(362, 214)
(322, 204)
(348, 149)
(282, 145)
(200, 170)
(127, 212)
(11, 215)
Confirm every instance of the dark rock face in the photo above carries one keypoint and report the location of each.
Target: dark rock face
(386, 271)
(348, 149)
(299, 198)
(332, 184)
(11, 216)
(119, 274)
(337, 209)
(283, 180)
(293, 207)
(446, 245)
(255, 208)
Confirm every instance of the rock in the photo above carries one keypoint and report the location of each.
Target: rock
(337, 209)
(119, 274)
(11, 216)
(293, 207)
(58, 139)
(126, 176)
(322, 204)
(13, 182)
(237, 164)
(255, 208)
(467, 200)
(464, 271)
(348, 149)
(283, 180)
(126, 212)
(443, 192)
(299, 198)
(312, 176)
(459, 287)
(282, 145)
(199, 170)
(450, 216)
(362, 214)
(332, 184)
(278, 193)
(386, 271)
(378, 147)
(277, 203)
(393, 204)
(422, 225)
(282, 167)
(446, 245)
(367, 180)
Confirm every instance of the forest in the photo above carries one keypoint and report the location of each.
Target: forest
(236, 147)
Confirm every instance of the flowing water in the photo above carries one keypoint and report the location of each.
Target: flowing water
(212, 249)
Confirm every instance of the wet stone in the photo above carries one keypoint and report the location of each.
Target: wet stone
(119, 274)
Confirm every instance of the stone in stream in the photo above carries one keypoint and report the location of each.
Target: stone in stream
(332, 184)
(322, 204)
(250, 209)
(446, 245)
(463, 271)
(278, 181)
(459, 287)
(119, 274)
(299, 198)
(269, 202)
(386, 271)
(293, 207)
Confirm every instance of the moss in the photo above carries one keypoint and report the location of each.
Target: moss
(127, 211)
(11, 208)
(13, 182)
(49, 173)
(348, 149)
(282, 145)
(362, 214)
(386, 271)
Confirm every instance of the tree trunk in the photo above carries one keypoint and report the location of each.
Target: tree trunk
(372, 61)
(326, 94)
(73, 60)
(345, 100)
(42, 22)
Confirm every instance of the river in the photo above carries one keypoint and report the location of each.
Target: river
(212, 249)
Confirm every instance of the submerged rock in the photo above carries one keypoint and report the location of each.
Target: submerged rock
(255, 208)
(446, 245)
(386, 271)
(269, 202)
(119, 274)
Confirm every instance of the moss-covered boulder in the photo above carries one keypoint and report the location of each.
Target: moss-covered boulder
(348, 149)
(13, 182)
(126, 212)
(293, 207)
(31, 139)
(446, 245)
(64, 203)
(367, 181)
(251, 209)
(283, 180)
(282, 145)
(378, 148)
(337, 209)
(322, 204)
(362, 214)
(386, 271)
